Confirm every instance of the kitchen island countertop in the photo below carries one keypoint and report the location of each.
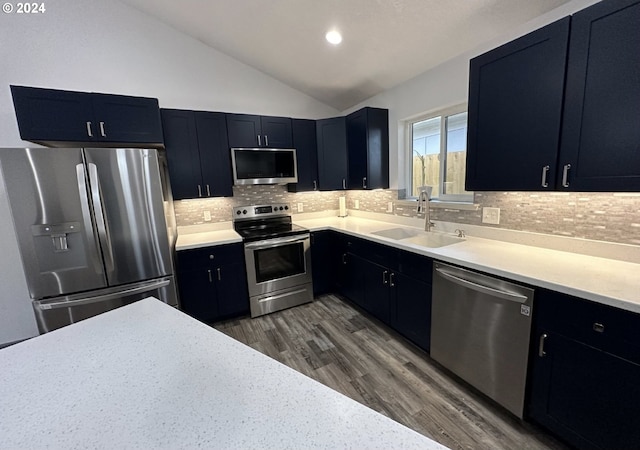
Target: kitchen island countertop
(148, 376)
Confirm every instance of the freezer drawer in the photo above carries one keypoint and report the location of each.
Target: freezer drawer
(61, 311)
(480, 331)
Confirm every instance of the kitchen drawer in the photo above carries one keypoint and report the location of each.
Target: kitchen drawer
(378, 253)
(209, 256)
(416, 266)
(601, 326)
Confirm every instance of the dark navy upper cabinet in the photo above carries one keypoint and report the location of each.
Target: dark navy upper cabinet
(247, 130)
(198, 153)
(584, 373)
(56, 117)
(601, 128)
(332, 153)
(515, 110)
(305, 143)
(531, 130)
(122, 118)
(368, 148)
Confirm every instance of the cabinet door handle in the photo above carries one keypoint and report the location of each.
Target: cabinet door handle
(266, 140)
(344, 259)
(199, 191)
(541, 352)
(208, 191)
(391, 278)
(210, 279)
(565, 175)
(364, 182)
(315, 185)
(219, 274)
(89, 132)
(384, 277)
(259, 141)
(344, 183)
(102, 132)
(545, 170)
(598, 327)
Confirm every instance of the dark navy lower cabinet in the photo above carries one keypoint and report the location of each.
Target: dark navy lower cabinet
(326, 261)
(584, 373)
(212, 282)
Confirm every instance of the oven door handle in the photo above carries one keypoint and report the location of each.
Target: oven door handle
(267, 243)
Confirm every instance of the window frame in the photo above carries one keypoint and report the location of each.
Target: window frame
(443, 113)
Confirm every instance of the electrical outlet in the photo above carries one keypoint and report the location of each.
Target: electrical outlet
(390, 207)
(491, 215)
(300, 207)
(207, 216)
(356, 204)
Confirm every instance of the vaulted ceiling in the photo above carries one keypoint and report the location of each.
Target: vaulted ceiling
(385, 42)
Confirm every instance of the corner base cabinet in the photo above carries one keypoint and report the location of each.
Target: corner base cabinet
(585, 376)
(212, 282)
(392, 285)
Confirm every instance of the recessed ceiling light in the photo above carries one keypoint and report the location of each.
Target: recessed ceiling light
(334, 37)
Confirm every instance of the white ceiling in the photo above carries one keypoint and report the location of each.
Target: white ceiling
(385, 42)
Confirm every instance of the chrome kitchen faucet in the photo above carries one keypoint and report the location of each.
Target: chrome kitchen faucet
(423, 206)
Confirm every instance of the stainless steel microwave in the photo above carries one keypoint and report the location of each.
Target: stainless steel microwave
(264, 165)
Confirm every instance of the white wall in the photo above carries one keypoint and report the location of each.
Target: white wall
(443, 86)
(106, 46)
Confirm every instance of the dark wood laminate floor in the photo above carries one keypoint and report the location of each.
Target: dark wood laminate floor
(337, 345)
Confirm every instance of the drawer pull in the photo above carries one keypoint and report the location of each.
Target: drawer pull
(598, 327)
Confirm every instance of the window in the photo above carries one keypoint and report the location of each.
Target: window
(438, 154)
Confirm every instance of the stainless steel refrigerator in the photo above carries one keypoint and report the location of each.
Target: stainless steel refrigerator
(91, 229)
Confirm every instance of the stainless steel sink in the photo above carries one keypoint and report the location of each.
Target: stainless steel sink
(419, 237)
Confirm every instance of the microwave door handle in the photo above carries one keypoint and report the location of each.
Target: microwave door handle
(267, 243)
(103, 229)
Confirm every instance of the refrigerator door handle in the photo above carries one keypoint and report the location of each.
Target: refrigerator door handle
(103, 297)
(86, 217)
(103, 229)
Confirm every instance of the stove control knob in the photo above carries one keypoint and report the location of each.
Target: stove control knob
(244, 211)
(238, 212)
(286, 207)
(281, 208)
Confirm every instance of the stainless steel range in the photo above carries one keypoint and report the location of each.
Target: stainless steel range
(277, 255)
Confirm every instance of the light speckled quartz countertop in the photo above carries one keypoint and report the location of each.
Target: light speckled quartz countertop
(603, 280)
(148, 376)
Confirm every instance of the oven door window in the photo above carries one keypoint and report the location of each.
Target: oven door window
(279, 262)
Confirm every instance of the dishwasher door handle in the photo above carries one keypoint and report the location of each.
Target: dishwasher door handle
(505, 295)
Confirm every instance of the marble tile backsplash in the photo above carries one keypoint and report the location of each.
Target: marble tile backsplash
(597, 216)
(612, 217)
(191, 212)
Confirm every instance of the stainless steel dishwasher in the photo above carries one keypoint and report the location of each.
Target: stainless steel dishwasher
(480, 328)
